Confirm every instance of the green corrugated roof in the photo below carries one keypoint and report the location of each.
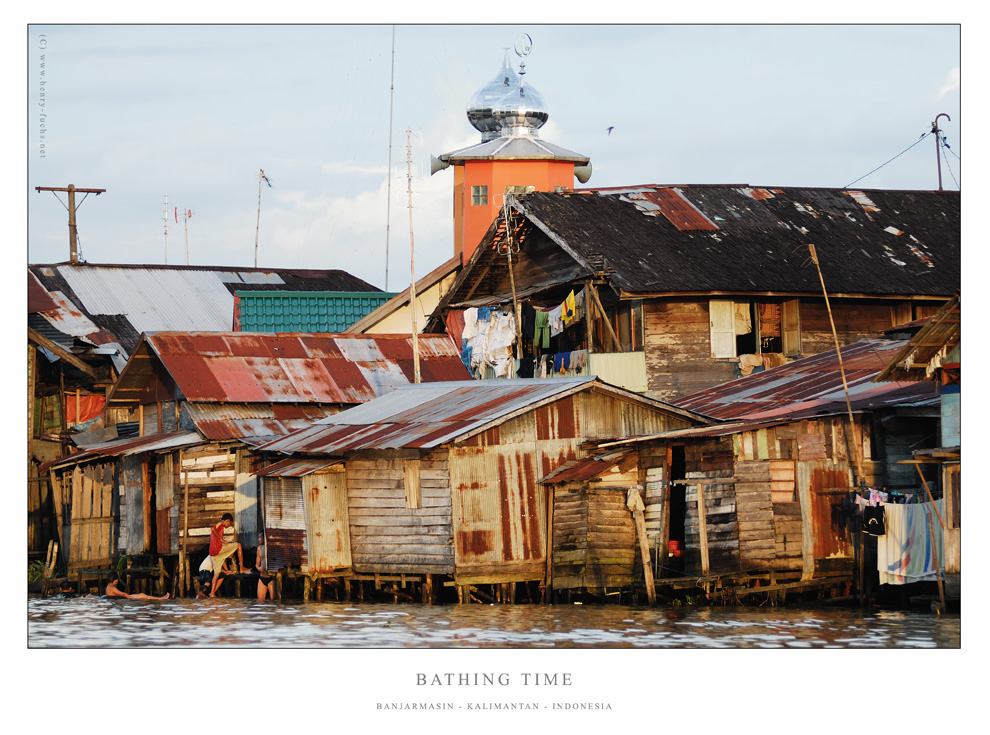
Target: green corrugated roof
(303, 311)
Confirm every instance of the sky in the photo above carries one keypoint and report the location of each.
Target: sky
(195, 112)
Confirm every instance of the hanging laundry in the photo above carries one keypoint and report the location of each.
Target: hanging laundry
(541, 336)
(556, 321)
(579, 360)
(873, 521)
(744, 324)
(567, 310)
(904, 553)
(579, 304)
(528, 316)
(749, 363)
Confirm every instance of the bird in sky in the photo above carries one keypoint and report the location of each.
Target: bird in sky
(609, 128)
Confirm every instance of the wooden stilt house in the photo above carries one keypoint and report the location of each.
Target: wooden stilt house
(203, 401)
(442, 479)
(765, 489)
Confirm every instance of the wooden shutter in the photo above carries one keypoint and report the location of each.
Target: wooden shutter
(791, 327)
(722, 320)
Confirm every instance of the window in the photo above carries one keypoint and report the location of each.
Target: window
(479, 196)
(791, 327)
(745, 328)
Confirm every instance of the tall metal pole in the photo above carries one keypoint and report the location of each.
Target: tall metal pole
(166, 229)
(388, 204)
(412, 265)
(938, 146)
(257, 226)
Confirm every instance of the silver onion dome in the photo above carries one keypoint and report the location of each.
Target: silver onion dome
(521, 111)
(480, 110)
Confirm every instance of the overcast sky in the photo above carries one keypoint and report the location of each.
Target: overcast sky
(194, 112)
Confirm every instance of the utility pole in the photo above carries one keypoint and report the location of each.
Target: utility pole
(73, 239)
(938, 146)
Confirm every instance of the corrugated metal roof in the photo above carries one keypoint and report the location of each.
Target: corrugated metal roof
(812, 385)
(297, 467)
(579, 470)
(124, 447)
(428, 415)
(245, 367)
(129, 300)
(219, 421)
(38, 298)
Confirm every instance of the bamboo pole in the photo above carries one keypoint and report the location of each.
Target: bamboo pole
(842, 370)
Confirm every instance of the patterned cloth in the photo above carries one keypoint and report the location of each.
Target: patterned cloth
(904, 552)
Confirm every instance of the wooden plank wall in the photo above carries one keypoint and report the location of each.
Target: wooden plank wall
(570, 536)
(678, 343)
(210, 470)
(678, 349)
(721, 519)
(613, 549)
(89, 490)
(388, 537)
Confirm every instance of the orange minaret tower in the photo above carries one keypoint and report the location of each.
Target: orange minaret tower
(511, 158)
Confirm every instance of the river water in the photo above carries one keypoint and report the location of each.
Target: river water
(236, 623)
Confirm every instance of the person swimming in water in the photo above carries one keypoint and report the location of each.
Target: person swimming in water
(113, 591)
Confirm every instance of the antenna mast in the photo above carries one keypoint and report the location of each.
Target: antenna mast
(412, 265)
(186, 217)
(166, 229)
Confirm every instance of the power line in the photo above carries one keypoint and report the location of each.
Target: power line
(895, 157)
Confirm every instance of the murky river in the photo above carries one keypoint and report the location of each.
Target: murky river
(100, 623)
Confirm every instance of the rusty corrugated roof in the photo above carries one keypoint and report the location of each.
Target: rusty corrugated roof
(288, 368)
(428, 415)
(579, 470)
(297, 467)
(128, 446)
(812, 385)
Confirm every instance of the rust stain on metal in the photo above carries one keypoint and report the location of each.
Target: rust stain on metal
(474, 543)
(677, 209)
(758, 193)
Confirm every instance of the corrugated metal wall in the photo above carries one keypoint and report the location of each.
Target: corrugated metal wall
(285, 522)
(327, 523)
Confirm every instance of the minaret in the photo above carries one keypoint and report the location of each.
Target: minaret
(508, 112)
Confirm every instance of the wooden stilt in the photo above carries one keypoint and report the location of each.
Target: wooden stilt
(428, 590)
(635, 504)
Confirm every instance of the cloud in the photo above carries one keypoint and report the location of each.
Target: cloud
(951, 83)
